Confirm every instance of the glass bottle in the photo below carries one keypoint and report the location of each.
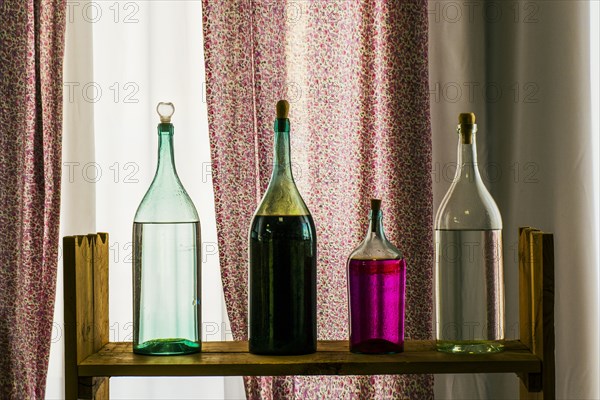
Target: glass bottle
(166, 262)
(283, 260)
(468, 270)
(376, 291)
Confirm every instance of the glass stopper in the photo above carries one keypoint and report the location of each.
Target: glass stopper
(166, 111)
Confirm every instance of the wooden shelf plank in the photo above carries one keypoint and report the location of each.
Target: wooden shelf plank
(90, 359)
(331, 358)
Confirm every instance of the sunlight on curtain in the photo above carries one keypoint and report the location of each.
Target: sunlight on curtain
(123, 58)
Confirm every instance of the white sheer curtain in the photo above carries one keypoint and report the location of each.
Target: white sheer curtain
(122, 58)
(524, 67)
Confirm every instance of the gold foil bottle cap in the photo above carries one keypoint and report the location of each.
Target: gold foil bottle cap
(165, 111)
(283, 108)
(466, 118)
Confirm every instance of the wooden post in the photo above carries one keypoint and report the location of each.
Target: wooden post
(86, 311)
(536, 302)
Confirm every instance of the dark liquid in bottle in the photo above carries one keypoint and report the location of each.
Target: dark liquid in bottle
(283, 288)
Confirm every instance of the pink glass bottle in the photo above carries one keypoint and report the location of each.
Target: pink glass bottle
(376, 291)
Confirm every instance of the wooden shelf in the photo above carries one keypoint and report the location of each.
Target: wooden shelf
(90, 359)
(331, 358)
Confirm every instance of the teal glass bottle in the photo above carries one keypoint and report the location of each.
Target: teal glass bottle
(166, 261)
(283, 261)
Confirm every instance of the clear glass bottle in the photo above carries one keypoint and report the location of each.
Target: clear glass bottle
(376, 291)
(283, 261)
(469, 276)
(166, 261)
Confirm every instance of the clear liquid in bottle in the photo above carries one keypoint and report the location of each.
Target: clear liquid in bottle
(469, 293)
(166, 283)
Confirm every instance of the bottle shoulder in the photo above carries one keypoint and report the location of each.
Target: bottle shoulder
(166, 203)
(468, 206)
(282, 197)
(374, 247)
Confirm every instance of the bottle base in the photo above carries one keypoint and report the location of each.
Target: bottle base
(470, 346)
(167, 347)
(282, 350)
(376, 346)
(281, 353)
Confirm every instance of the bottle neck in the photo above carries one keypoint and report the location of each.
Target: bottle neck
(375, 246)
(376, 225)
(166, 158)
(467, 168)
(282, 196)
(282, 163)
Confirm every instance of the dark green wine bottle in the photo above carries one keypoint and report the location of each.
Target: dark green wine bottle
(283, 261)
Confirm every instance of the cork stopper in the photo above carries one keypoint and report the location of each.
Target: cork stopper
(466, 127)
(375, 205)
(283, 107)
(466, 118)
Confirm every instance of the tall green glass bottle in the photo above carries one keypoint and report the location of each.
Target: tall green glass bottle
(167, 261)
(283, 260)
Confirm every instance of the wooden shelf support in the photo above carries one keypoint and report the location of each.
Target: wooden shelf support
(86, 311)
(536, 309)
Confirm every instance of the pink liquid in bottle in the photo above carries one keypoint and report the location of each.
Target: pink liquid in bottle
(376, 298)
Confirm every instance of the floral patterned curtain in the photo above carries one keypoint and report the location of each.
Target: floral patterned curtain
(31, 51)
(356, 76)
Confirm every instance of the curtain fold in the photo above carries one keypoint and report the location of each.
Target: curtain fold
(31, 51)
(355, 74)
